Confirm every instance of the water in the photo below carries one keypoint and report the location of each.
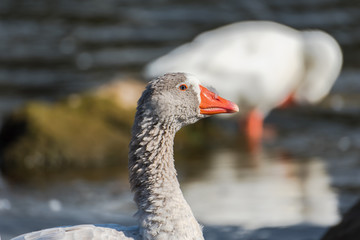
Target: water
(272, 191)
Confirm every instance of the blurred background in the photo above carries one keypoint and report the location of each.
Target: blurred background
(70, 75)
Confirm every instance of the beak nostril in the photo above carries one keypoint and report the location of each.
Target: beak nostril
(211, 103)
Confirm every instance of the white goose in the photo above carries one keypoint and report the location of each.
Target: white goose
(168, 103)
(259, 65)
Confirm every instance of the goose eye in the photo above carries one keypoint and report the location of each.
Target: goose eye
(183, 87)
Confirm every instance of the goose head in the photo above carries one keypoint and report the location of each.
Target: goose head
(179, 98)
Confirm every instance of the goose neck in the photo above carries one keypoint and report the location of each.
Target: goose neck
(163, 213)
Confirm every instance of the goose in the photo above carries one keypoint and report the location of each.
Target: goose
(168, 103)
(260, 65)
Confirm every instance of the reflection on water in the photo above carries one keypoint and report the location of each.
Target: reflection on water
(267, 191)
(270, 189)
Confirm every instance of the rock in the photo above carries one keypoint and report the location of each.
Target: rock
(124, 92)
(348, 228)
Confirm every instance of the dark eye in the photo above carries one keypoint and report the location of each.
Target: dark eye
(183, 87)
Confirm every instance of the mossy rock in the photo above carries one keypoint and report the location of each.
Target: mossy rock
(90, 130)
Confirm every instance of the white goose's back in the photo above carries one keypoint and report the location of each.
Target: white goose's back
(323, 62)
(242, 60)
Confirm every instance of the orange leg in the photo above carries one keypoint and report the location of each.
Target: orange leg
(289, 101)
(254, 130)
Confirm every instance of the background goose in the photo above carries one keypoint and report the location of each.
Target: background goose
(168, 103)
(260, 65)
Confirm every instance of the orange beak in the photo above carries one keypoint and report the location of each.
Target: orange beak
(211, 103)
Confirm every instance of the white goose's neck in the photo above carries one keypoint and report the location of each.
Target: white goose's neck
(163, 213)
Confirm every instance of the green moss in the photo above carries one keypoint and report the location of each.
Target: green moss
(84, 131)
